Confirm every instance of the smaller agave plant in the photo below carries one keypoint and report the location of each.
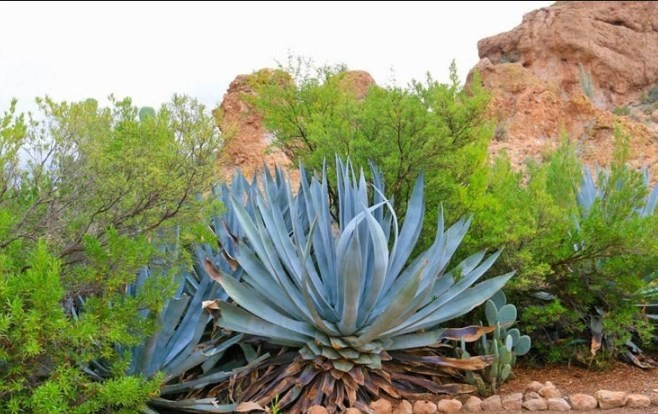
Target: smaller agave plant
(361, 316)
(587, 195)
(192, 355)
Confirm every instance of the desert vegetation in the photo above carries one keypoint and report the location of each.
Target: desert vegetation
(406, 261)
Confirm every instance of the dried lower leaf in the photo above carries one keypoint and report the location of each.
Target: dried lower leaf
(247, 406)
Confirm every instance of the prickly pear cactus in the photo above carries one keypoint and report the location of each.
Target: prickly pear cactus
(505, 345)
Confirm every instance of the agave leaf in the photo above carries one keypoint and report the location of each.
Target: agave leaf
(415, 340)
(449, 294)
(217, 352)
(463, 303)
(596, 325)
(240, 320)
(468, 334)
(257, 304)
(248, 406)
(343, 365)
(320, 323)
(378, 274)
(204, 405)
(388, 318)
(351, 278)
(258, 277)
(411, 227)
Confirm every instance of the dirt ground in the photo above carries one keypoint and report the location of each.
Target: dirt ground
(572, 380)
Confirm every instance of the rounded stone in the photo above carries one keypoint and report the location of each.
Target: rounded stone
(353, 410)
(381, 406)
(531, 395)
(493, 403)
(404, 407)
(583, 402)
(558, 404)
(638, 401)
(425, 407)
(610, 399)
(534, 386)
(550, 391)
(513, 402)
(473, 404)
(449, 406)
(537, 404)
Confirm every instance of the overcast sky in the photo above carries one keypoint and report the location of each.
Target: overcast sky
(149, 51)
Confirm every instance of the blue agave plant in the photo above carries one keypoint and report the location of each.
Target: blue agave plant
(362, 315)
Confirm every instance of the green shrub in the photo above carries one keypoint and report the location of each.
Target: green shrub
(586, 83)
(439, 129)
(581, 264)
(621, 110)
(42, 349)
(84, 190)
(651, 96)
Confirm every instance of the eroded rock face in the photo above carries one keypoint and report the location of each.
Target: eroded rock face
(617, 42)
(247, 141)
(533, 75)
(358, 82)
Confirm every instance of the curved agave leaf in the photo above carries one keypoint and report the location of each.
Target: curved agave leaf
(185, 340)
(340, 280)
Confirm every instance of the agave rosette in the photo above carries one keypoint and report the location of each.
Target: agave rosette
(362, 315)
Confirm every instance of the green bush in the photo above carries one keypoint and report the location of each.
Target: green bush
(651, 96)
(439, 129)
(84, 191)
(582, 265)
(586, 83)
(42, 348)
(621, 110)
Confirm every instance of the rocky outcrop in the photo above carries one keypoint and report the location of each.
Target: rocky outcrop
(534, 75)
(616, 42)
(246, 141)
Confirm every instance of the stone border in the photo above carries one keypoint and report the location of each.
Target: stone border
(537, 397)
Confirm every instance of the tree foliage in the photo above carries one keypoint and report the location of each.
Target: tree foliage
(439, 129)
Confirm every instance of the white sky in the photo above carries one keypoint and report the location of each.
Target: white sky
(149, 51)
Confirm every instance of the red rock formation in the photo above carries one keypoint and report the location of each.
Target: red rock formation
(246, 141)
(617, 42)
(533, 74)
